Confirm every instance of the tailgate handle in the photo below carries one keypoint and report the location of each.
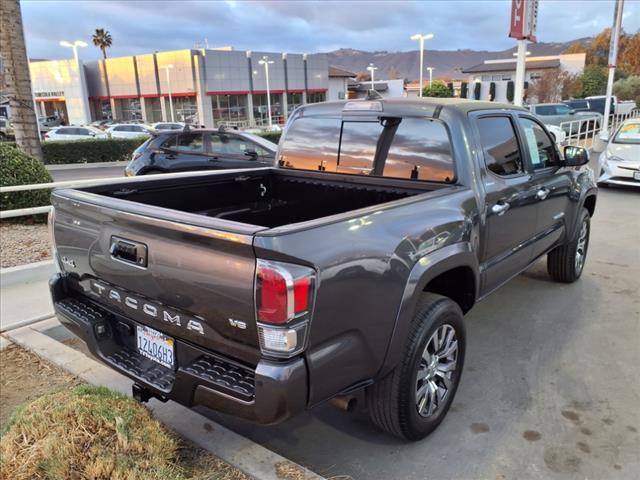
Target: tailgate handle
(128, 251)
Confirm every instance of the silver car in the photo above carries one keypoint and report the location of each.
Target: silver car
(620, 161)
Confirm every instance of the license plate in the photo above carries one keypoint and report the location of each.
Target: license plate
(636, 175)
(155, 345)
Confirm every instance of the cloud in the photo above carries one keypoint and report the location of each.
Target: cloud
(297, 26)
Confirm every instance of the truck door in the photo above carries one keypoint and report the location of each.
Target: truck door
(509, 201)
(552, 187)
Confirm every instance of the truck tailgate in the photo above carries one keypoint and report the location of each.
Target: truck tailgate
(187, 281)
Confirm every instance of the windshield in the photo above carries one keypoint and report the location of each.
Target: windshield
(628, 133)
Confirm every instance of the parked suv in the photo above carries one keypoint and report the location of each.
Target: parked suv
(200, 149)
(563, 116)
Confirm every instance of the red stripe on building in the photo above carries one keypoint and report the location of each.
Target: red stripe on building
(99, 98)
(242, 92)
(125, 97)
(316, 90)
(264, 92)
(150, 95)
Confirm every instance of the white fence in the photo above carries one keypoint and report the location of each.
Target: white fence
(584, 131)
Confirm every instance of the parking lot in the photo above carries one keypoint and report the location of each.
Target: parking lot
(551, 387)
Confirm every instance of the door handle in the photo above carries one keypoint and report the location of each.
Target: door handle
(500, 207)
(542, 193)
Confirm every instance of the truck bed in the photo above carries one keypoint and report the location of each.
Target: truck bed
(267, 198)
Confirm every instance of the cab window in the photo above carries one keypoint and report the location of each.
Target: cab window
(186, 142)
(502, 154)
(542, 151)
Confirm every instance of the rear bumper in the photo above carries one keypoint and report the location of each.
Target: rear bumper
(269, 393)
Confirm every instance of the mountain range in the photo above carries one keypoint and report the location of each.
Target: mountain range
(446, 64)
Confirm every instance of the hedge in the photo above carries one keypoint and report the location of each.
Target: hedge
(510, 90)
(492, 91)
(18, 168)
(271, 136)
(90, 151)
(476, 90)
(464, 90)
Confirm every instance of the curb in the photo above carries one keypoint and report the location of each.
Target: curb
(74, 166)
(31, 272)
(242, 453)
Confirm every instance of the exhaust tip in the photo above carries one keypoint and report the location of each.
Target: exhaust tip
(348, 403)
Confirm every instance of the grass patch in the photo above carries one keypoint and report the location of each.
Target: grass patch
(95, 433)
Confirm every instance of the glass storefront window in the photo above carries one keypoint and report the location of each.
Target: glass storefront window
(316, 97)
(229, 110)
(131, 109)
(185, 109)
(294, 100)
(260, 109)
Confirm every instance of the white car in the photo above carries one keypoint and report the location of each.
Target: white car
(557, 134)
(620, 161)
(128, 130)
(74, 133)
(168, 126)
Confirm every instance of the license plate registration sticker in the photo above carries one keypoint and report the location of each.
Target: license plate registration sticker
(156, 346)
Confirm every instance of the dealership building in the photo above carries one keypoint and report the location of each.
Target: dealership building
(210, 87)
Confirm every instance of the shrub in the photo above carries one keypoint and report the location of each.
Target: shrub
(476, 90)
(510, 90)
(437, 89)
(492, 91)
(88, 432)
(90, 151)
(18, 168)
(464, 90)
(628, 88)
(271, 136)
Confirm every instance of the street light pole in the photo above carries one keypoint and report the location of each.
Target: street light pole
(420, 37)
(372, 69)
(430, 76)
(613, 58)
(266, 62)
(74, 46)
(166, 70)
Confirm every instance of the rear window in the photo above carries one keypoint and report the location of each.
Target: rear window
(416, 148)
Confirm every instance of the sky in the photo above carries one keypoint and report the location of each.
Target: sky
(302, 26)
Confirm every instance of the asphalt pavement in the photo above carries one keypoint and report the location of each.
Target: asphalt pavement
(550, 390)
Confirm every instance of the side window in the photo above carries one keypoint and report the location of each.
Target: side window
(229, 145)
(121, 129)
(358, 146)
(421, 151)
(186, 142)
(546, 110)
(562, 110)
(82, 131)
(541, 148)
(502, 154)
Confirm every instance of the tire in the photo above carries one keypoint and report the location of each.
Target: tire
(566, 262)
(393, 401)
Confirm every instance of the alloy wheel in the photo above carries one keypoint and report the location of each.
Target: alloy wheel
(581, 249)
(438, 364)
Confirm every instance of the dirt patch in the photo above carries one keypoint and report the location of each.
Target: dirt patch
(24, 377)
(532, 435)
(561, 460)
(479, 427)
(571, 415)
(290, 471)
(22, 243)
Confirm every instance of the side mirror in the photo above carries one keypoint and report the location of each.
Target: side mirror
(572, 112)
(575, 156)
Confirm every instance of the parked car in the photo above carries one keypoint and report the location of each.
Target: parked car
(561, 115)
(620, 164)
(265, 292)
(128, 130)
(579, 105)
(6, 129)
(102, 124)
(49, 122)
(74, 133)
(168, 126)
(597, 104)
(557, 134)
(200, 149)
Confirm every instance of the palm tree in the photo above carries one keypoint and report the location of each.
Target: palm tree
(102, 40)
(17, 81)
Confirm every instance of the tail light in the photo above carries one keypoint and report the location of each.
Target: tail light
(284, 301)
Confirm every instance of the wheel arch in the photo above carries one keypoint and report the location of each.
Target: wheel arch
(438, 273)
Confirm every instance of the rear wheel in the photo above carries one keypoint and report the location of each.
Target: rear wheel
(566, 262)
(412, 400)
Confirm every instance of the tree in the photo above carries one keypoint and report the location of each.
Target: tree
(17, 80)
(437, 89)
(510, 91)
(392, 73)
(554, 86)
(102, 40)
(363, 77)
(477, 89)
(492, 91)
(594, 81)
(464, 90)
(598, 52)
(628, 89)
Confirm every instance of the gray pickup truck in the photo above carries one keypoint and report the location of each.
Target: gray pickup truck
(345, 270)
